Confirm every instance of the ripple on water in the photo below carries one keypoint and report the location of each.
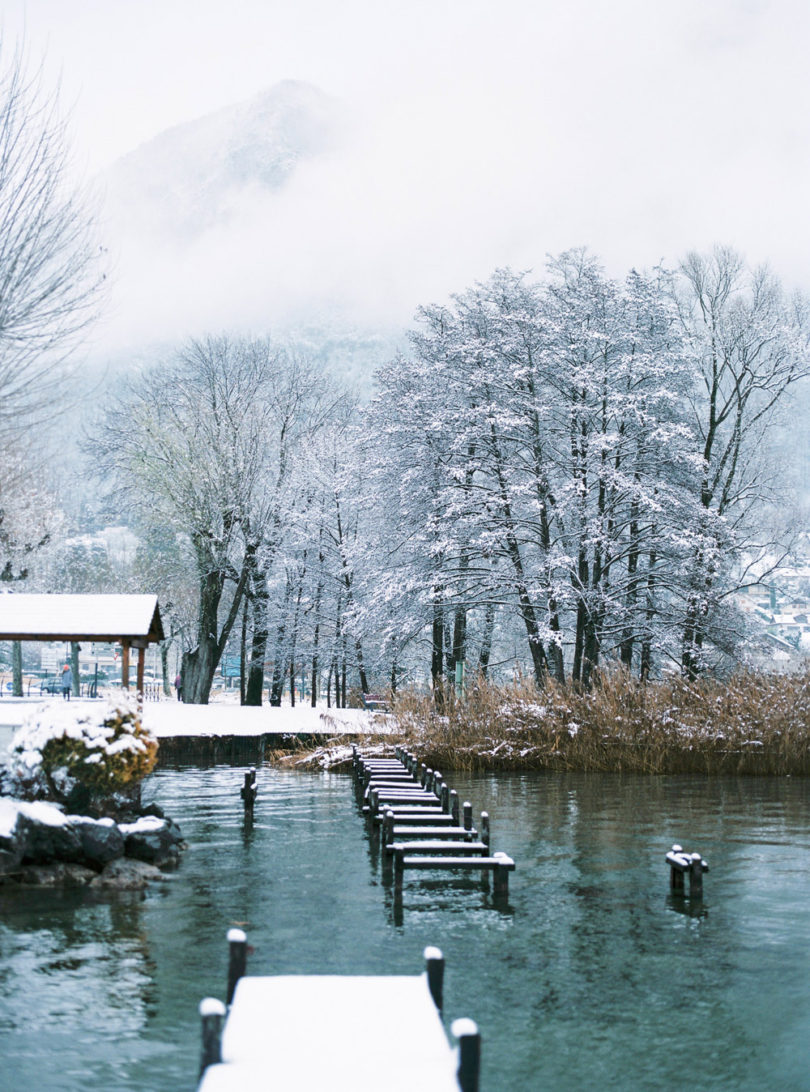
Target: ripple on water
(594, 978)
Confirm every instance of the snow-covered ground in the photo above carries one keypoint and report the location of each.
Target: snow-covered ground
(173, 718)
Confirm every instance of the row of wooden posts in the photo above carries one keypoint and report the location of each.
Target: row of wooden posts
(422, 824)
(423, 827)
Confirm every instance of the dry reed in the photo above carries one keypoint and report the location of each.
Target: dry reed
(751, 724)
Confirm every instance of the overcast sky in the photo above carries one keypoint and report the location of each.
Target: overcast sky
(495, 132)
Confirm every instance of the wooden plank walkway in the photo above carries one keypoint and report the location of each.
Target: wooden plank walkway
(421, 821)
(335, 1032)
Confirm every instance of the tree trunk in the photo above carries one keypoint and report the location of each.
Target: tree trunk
(164, 667)
(279, 664)
(243, 654)
(646, 644)
(628, 635)
(527, 611)
(280, 653)
(200, 663)
(485, 651)
(361, 670)
(315, 644)
(254, 690)
(437, 652)
(459, 638)
(313, 681)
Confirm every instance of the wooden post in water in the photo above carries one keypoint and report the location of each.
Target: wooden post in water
(467, 815)
(676, 884)
(469, 1053)
(696, 877)
(454, 809)
(500, 884)
(249, 792)
(212, 1013)
(428, 780)
(434, 965)
(388, 827)
(445, 798)
(681, 863)
(237, 959)
(399, 872)
(422, 775)
(485, 837)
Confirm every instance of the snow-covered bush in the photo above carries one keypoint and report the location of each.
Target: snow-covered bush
(82, 757)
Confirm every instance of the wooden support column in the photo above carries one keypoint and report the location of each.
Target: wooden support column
(125, 664)
(434, 966)
(469, 1054)
(237, 959)
(141, 657)
(212, 1012)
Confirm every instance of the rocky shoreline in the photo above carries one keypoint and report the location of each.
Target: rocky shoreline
(41, 846)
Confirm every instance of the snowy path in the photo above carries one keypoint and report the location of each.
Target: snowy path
(172, 719)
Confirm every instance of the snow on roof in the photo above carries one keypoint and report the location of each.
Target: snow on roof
(79, 617)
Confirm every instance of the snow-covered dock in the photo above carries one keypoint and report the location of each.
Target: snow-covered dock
(338, 1032)
(421, 823)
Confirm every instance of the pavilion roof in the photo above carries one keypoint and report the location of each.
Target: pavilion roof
(133, 619)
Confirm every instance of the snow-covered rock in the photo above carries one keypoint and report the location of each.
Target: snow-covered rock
(39, 844)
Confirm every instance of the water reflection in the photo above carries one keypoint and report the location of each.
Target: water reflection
(594, 976)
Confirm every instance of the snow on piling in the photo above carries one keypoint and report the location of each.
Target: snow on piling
(237, 959)
(681, 863)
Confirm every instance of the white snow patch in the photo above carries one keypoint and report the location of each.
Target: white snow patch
(143, 825)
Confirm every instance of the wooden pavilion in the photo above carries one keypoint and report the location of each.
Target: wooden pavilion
(133, 621)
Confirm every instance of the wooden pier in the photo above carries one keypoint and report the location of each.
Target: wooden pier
(421, 824)
(334, 1032)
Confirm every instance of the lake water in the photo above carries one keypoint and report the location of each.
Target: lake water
(594, 978)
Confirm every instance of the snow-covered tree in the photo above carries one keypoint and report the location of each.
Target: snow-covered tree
(203, 445)
(750, 346)
(49, 266)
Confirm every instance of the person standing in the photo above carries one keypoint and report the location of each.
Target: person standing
(67, 682)
(178, 682)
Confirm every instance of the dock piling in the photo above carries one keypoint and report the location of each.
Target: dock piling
(212, 1013)
(249, 792)
(500, 884)
(681, 864)
(469, 1053)
(237, 959)
(414, 821)
(434, 965)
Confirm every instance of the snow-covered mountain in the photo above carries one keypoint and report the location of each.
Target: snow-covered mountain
(240, 221)
(197, 175)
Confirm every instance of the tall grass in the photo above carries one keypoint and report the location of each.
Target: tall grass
(751, 724)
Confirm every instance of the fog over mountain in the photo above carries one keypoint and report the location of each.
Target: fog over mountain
(194, 177)
(210, 228)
